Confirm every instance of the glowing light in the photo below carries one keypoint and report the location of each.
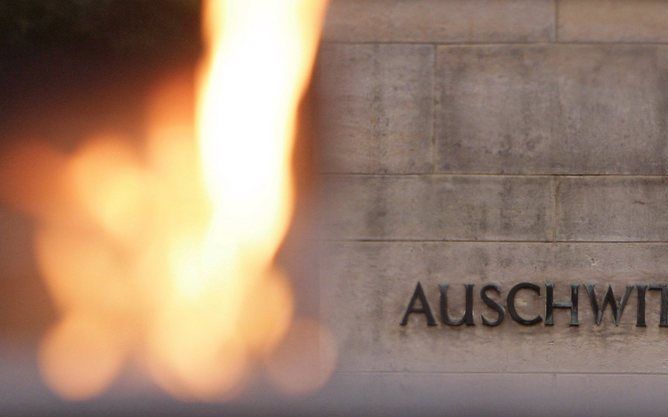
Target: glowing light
(169, 256)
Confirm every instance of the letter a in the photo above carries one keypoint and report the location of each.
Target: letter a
(424, 308)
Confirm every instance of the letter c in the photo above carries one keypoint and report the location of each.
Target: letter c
(511, 303)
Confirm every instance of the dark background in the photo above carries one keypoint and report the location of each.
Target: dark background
(68, 66)
(103, 28)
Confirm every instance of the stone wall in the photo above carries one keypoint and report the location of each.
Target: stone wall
(495, 141)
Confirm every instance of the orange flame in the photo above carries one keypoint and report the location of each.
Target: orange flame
(172, 257)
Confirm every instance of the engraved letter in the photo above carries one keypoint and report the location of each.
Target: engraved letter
(550, 305)
(501, 312)
(468, 313)
(616, 306)
(511, 303)
(424, 308)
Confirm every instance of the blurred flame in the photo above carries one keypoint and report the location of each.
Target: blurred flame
(305, 362)
(171, 256)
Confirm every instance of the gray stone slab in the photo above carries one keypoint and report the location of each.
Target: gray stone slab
(498, 394)
(440, 21)
(613, 209)
(439, 207)
(366, 287)
(557, 109)
(613, 21)
(376, 108)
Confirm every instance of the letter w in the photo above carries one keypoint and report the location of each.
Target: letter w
(617, 306)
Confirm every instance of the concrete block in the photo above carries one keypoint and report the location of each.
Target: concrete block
(438, 21)
(366, 287)
(612, 209)
(439, 207)
(557, 109)
(376, 108)
(612, 21)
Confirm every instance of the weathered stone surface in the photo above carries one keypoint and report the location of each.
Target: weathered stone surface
(439, 207)
(440, 21)
(376, 108)
(500, 109)
(613, 209)
(501, 394)
(366, 287)
(613, 21)
(582, 109)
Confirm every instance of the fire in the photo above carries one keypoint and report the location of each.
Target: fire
(166, 255)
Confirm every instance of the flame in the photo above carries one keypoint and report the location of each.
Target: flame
(169, 258)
